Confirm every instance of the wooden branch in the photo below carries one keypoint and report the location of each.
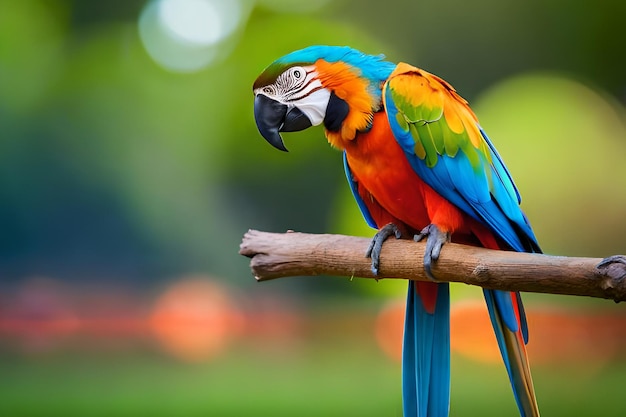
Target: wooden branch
(276, 255)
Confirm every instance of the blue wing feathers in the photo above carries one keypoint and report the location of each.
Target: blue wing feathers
(501, 169)
(475, 187)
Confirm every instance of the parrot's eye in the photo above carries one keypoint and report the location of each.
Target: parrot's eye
(297, 74)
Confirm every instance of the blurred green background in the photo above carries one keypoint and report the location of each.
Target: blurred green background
(130, 167)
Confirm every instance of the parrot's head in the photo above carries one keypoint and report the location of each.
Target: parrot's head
(337, 86)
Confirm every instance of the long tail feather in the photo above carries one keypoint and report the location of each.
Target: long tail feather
(426, 351)
(509, 323)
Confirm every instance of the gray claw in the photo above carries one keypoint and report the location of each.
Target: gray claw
(436, 240)
(376, 245)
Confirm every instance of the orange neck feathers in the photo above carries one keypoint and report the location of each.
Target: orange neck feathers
(349, 86)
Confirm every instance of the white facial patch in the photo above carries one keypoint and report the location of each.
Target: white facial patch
(314, 105)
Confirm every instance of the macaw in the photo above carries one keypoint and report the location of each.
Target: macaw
(418, 163)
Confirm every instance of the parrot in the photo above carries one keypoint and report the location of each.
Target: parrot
(419, 164)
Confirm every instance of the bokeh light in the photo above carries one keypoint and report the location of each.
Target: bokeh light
(188, 35)
(195, 319)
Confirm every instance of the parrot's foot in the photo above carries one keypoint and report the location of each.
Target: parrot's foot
(436, 240)
(376, 245)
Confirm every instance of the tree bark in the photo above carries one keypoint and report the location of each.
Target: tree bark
(276, 255)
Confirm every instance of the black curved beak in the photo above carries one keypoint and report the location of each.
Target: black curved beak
(273, 117)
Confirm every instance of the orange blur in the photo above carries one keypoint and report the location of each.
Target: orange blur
(557, 335)
(194, 320)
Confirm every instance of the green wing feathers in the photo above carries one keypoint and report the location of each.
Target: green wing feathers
(439, 120)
